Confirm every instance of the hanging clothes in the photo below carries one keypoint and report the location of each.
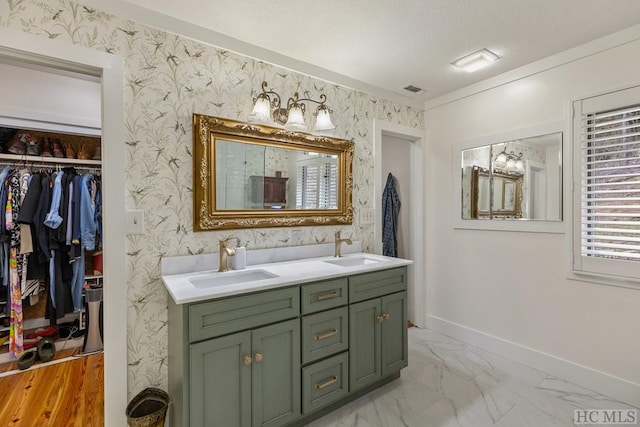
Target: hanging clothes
(390, 212)
(16, 343)
(47, 221)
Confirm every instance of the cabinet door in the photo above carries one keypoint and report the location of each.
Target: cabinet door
(394, 333)
(276, 374)
(364, 344)
(220, 382)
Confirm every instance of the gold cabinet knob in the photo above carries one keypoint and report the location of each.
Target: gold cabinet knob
(258, 357)
(380, 319)
(247, 360)
(386, 316)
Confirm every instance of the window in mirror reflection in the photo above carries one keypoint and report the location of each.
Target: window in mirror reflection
(520, 179)
(316, 181)
(257, 177)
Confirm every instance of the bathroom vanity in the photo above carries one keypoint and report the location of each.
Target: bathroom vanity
(283, 343)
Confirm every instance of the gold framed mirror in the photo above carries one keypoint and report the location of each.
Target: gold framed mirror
(257, 176)
(497, 195)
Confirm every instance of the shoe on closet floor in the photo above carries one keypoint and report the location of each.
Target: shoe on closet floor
(42, 332)
(70, 330)
(26, 360)
(46, 349)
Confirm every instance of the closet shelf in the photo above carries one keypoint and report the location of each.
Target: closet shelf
(48, 160)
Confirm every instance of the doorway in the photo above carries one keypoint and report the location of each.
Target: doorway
(53, 54)
(399, 149)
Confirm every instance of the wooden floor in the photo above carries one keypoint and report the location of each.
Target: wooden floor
(69, 393)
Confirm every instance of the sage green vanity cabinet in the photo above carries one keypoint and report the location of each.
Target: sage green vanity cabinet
(377, 326)
(220, 381)
(247, 379)
(286, 356)
(275, 374)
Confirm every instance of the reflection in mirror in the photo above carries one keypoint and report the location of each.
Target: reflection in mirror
(475, 158)
(249, 176)
(497, 196)
(519, 179)
(253, 176)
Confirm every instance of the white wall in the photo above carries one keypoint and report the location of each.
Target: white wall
(514, 285)
(61, 96)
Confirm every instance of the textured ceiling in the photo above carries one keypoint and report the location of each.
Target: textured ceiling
(392, 43)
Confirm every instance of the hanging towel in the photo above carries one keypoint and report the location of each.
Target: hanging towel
(390, 211)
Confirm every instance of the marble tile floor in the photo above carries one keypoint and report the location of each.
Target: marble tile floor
(452, 384)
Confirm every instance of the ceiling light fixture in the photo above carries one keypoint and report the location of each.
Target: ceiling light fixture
(268, 109)
(476, 60)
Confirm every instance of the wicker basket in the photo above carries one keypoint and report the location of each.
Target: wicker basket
(148, 408)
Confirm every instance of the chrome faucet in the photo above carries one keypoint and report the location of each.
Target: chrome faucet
(225, 252)
(339, 242)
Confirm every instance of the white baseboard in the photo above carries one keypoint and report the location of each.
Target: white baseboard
(592, 379)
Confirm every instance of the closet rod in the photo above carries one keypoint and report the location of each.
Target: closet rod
(91, 169)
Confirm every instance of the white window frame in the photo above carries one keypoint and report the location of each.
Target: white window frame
(594, 269)
(320, 161)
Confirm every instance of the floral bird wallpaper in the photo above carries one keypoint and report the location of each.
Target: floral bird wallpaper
(169, 77)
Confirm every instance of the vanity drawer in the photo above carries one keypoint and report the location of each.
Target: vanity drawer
(324, 334)
(221, 317)
(325, 382)
(371, 285)
(324, 295)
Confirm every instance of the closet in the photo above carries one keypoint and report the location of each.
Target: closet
(49, 128)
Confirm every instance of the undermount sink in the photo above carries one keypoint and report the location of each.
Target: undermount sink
(353, 261)
(230, 278)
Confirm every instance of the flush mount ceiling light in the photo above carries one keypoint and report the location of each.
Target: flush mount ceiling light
(476, 60)
(268, 109)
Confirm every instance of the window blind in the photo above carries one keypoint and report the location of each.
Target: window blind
(317, 183)
(610, 184)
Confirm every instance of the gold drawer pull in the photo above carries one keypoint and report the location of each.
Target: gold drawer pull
(386, 316)
(327, 384)
(323, 297)
(325, 336)
(258, 357)
(247, 360)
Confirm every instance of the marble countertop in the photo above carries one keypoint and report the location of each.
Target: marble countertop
(288, 272)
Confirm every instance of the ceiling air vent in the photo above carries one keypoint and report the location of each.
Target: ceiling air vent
(413, 89)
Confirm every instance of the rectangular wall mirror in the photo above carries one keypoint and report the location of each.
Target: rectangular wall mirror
(248, 176)
(510, 178)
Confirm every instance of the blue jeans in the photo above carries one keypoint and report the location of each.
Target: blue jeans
(77, 281)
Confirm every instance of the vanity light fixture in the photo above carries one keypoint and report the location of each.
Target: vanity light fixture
(509, 161)
(476, 60)
(291, 116)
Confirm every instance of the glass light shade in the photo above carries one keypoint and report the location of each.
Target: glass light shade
(519, 165)
(261, 111)
(511, 164)
(323, 120)
(295, 120)
(501, 161)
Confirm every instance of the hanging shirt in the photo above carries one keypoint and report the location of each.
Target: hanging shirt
(53, 220)
(390, 211)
